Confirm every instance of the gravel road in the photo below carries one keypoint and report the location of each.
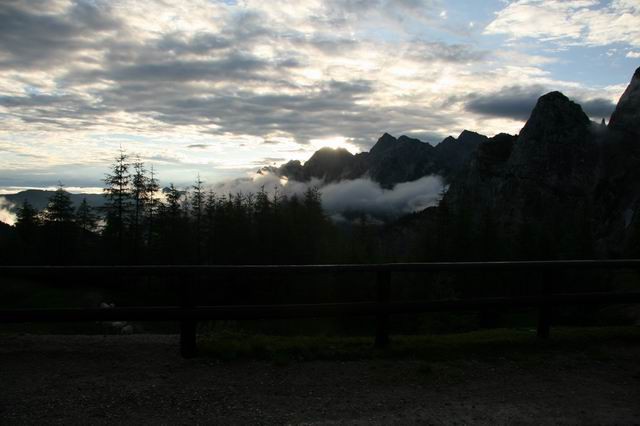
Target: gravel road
(140, 379)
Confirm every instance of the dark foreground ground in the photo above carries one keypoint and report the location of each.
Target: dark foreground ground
(140, 379)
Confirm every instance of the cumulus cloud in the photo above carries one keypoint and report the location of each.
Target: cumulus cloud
(347, 196)
(6, 212)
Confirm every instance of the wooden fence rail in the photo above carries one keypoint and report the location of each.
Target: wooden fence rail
(189, 313)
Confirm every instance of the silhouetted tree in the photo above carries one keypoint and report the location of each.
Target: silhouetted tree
(172, 226)
(139, 198)
(60, 208)
(118, 201)
(28, 221)
(197, 211)
(152, 207)
(86, 218)
(59, 227)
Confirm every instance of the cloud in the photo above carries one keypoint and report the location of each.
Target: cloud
(513, 102)
(364, 195)
(81, 78)
(263, 181)
(347, 196)
(598, 107)
(253, 70)
(6, 212)
(517, 102)
(36, 34)
(585, 22)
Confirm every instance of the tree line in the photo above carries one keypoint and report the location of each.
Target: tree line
(142, 223)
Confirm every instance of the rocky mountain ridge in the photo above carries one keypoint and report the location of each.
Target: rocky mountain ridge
(564, 184)
(390, 161)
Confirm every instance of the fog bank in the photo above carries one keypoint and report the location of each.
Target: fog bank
(6, 215)
(358, 195)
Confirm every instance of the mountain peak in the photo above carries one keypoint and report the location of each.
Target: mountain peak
(626, 116)
(554, 113)
(328, 163)
(328, 152)
(385, 142)
(466, 133)
(467, 136)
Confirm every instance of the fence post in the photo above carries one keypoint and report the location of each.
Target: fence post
(187, 327)
(544, 313)
(383, 285)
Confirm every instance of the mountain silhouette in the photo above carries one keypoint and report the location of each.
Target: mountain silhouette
(389, 162)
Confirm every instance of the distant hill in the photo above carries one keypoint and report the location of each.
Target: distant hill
(39, 198)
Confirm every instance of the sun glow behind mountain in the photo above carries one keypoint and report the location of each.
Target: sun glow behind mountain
(335, 143)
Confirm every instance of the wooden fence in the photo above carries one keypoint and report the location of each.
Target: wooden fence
(188, 313)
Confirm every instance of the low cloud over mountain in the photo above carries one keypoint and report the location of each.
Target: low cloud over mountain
(362, 195)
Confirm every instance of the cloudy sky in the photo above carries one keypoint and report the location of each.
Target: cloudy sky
(222, 87)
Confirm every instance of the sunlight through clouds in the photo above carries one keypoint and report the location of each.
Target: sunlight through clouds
(217, 87)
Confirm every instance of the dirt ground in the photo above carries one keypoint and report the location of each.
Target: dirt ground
(141, 379)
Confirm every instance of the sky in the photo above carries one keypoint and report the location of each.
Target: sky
(221, 88)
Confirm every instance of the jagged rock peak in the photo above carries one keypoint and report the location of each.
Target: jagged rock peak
(554, 113)
(626, 116)
(385, 142)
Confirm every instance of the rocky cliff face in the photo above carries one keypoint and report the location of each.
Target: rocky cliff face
(564, 180)
(626, 116)
(617, 196)
(555, 148)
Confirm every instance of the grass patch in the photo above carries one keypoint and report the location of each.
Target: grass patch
(521, 346)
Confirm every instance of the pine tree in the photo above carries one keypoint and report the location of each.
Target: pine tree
(172, 226)
(139, 198)
(27, 221)
(59, 228)
(60, 208)
(173, 209)
(118, 200)
(197, 210)
(86, 218)
(153, 205)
